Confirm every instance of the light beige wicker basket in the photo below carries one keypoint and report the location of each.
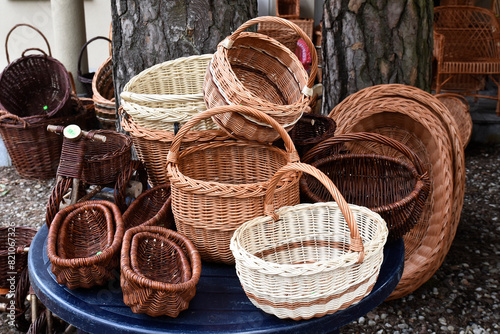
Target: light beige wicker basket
(309, 260)
(168, 93)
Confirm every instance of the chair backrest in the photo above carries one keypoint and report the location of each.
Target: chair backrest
(470, 33)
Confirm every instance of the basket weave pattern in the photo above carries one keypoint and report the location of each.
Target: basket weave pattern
(104, 95)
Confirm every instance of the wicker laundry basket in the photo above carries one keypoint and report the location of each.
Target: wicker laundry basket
(159, 271)
(309, 260)
(218, 186)
(255, 70)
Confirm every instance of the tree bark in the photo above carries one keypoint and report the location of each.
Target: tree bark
(371, 42)
(148, 32)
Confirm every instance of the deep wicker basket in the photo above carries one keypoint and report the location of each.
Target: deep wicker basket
(83, 244)
(35, 87)
(87, 78)
(104, 95)
(160, 269)
(13, 257)
(309, 260)
(213, 198)
(152, 207)
(288, 9)
(396, 189)
(254, 70)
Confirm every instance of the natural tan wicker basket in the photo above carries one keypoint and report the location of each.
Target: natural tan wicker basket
(218, 186)
(159, 271)
(167, 95)
(309, 260)
(104, 95)
(459, 108)
(255, 70)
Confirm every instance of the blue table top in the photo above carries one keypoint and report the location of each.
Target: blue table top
(219, 306)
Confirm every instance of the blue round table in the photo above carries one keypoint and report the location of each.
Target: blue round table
(219, 306)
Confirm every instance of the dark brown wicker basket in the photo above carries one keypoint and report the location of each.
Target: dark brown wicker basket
(152, 207)
(35, 86)
(84, 243)
(395, 188)
(103, 162)
(86, 78)
(13, 258)
(35, 152)
(159, 271)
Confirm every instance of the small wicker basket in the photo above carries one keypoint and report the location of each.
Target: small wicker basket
(84, 243)
(309, 260)
(104, 95)
(159, 271)
(87, 78)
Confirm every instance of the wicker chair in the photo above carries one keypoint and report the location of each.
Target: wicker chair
(466, 43)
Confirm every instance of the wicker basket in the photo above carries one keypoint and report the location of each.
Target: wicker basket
(13, 258)
(288, 9)
(103, 162)
(34, 151)
(35, 87)
(159, 271)
(309, 260)
(421, 122)
(104, 95)
(211, 199)
(254, 70)
(459, 108)
(152, 207)
(283, 34)
(167, 95)
(152, 146)
(87, 78)
(84, 243)
(392, 187)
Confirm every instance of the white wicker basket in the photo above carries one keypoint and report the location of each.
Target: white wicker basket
(309, 260)
(168, 93)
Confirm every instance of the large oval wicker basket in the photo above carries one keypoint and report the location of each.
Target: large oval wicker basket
(218, 186)
(255, 70)
(309, 260)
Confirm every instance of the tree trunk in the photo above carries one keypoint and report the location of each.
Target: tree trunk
(148, 32)
(371, 42)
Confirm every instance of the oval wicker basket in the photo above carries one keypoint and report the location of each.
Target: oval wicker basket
(104, 95)
(396, 189)
(254, 70)
(159, 271)
(87, 78)
(35, 87)
(83, 244)
(211, 199)
(167, 95)
(309, 260)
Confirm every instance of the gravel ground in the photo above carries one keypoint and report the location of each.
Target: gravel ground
(462, 296)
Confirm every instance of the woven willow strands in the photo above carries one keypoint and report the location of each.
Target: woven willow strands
(103, 91)
(87, 78)
(424, 124)
(219, 185)
(309, 260)
(255, 70)
(459, 109)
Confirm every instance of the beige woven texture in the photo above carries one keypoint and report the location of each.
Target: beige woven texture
(255, 70)
(218, 186)
(424, 124)
(309, 260)
(168, 93)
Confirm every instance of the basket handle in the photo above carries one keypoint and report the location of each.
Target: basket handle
(5, 116)
(33, 49)
(173, 154)
(366, 136)
(26, 25)
(356, 244)
(83, 49)
(228, 42)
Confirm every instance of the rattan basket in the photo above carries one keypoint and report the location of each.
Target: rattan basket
(396, 189)
(255, 70)
(309, 260)
(152, 145)
(285, 35)
(218, 186)
(13, 256)
(152, 207)
(104, 95)
(87, 78)
(459, 107)
(36, 86)
(159, 271)
(167, 95)
(421, 122)
(289, 9)
(83, 244)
